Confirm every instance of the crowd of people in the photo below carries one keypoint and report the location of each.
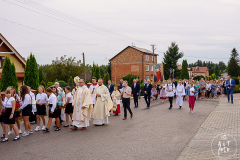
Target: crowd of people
(96, 101)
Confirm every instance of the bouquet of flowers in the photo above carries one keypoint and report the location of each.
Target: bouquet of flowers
(17, 105)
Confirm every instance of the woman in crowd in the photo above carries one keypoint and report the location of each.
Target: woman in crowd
(1, 117)
(163, 95)
(32, 117)
(116, 96)
(68, 105)
(8, 117)
(192, 93)
(41, 101)
(17, 111)
(214, 89)
(208, 88)
(26, 108)
(53, 110)
(196, 83)
(218, 88)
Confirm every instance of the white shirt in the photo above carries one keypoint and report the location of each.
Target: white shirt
(52, 100)
(42, 98)
(208, 86)
(191, 91)
(180, 90)
(170, 86)
(8, 102)
(27, 101)
(69, 95)
(91, 88)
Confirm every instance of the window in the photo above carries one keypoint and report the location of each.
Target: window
(147, 67)
(147, 77)
(1, 61)
(151, 67)
(147, 57)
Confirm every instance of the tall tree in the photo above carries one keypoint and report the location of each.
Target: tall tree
(14, 76)
(184, 71)
(31, 75)
(106, 78)
(233, 63)
(171, 56)
(8, 77)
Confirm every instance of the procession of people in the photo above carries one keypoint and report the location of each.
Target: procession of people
(96, 102)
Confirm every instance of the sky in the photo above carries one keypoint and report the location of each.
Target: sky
(203, 29)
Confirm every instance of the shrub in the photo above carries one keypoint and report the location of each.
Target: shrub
(198, 77)
(236, 89)
(130, 79)
(236, 80)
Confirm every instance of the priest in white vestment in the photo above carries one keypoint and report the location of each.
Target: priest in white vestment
(82, 107)
(180, 92)
(103, 104)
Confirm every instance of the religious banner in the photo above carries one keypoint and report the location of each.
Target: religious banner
(158, 73)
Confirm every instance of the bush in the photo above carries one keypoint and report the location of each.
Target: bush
(49, 84)
(236, 80)
(130, 79)
(198, 77)
(236, 89)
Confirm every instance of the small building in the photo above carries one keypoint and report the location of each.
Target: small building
(6, 49)
(200, 71)
(133, 60)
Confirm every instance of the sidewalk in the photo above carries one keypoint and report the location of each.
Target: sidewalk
(224, 120)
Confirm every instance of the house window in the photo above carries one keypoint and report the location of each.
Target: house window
(147, 77)
(147, 67)
(147, 57)
(151, 67)
(1, 61)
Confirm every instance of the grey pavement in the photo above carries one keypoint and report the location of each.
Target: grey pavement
(157, 133)
(224, 120)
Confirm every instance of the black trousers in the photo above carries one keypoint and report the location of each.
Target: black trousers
(126, 105)
(135, 96)
(208, 93)
(147, 99)
(170, 101)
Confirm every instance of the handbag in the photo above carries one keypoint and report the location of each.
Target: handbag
(203, 88)
(3, 111)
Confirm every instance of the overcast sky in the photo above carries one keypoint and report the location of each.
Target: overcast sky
(203, 29)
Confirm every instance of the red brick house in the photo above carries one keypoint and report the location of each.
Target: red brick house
(132, 60)
(200, 71)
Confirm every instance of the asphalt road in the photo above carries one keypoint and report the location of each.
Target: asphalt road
(157, 133)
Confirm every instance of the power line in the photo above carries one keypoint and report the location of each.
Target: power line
(68, 17)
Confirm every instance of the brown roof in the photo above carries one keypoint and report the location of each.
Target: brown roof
(143, 50)
(18, 56)
(20, 75)
(199, 69)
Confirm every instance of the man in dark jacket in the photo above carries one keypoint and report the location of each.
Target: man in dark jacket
(135, 92)
(147, 93)
(110, 87)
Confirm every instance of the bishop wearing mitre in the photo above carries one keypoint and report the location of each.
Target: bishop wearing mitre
(82, 107)
(103, 104)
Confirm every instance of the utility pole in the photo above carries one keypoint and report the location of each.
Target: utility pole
(153, 49)
(84, 66)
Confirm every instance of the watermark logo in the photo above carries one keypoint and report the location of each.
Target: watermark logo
(224, 146)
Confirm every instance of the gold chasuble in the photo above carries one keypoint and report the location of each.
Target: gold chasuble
(102, 106)
(82, 98)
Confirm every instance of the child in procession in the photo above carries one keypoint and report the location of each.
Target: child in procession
(41, 101)
(8, 117)
(116, 96)
(68, 105)
(180, 92)
(53, 110)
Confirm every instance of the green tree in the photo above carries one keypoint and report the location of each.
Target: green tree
(8, 77)
(130, 78)
(14, 76)
(184, 71)
(106, 78)
(171, 56)
(31, 75)
(233, 64)
(96, 71)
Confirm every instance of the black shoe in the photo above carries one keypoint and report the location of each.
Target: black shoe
(232, 102)
(3, 136)
(115, 114)
(66, 126)
(170, 108)
(180, 107)
(136, 107)
(4, 140)
(148, 107)
(16, 139)
(47, 130)
(57, 129)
